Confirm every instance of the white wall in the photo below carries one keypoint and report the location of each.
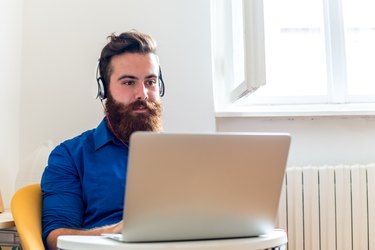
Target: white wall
(10, 68)
(63, 39)
(62, 42)
(316, 141)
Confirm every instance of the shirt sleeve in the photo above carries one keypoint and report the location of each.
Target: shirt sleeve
(62, 194)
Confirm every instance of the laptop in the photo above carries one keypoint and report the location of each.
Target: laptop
(202, 186)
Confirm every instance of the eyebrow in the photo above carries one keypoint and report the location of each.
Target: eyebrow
(135, 78)
(126, 76)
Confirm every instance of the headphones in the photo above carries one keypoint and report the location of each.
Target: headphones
(102, 86)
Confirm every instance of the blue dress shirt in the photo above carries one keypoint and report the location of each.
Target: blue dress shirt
(84, 182)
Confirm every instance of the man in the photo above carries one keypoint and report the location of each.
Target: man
(84, 182)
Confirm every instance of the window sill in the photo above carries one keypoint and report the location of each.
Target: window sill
(310, 110)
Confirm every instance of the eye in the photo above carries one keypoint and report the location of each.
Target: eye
(128, 82)
(151, 82)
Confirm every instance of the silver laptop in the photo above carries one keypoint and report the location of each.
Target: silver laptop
(202, 186)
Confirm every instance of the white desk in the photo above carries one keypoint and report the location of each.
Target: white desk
(6, 220)
(277, 239)
(8, 233)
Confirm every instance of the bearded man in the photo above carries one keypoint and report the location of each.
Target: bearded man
(84, 182)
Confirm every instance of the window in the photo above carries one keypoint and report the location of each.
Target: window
(315, 52)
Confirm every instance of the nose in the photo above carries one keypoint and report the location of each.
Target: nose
(141, 92)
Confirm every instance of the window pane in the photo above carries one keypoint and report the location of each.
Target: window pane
(295, 48)
(359, 21)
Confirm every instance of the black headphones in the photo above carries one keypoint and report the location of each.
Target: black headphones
(102, 86)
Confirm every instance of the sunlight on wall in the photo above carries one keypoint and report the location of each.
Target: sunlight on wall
(10, 71)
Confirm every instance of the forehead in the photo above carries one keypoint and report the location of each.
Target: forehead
(134, 62)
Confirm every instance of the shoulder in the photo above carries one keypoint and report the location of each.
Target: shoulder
(86, 141)
(83, 140)
(74, 145)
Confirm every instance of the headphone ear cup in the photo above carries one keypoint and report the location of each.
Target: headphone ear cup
(161, 83)
(101, 90)
(161, 88)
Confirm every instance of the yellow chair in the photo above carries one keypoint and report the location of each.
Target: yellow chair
(26, 207)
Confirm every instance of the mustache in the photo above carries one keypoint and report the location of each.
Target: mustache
(149, 105)
(141, 104)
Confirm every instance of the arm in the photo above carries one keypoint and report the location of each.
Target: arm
(62, 199)
(52, 237)
(82, 189)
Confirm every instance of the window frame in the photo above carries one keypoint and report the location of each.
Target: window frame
(223, 50)
(254, 50)
(337, 100)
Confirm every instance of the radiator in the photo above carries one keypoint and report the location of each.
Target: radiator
(329, 207)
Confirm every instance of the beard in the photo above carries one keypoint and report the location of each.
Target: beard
(124, 121)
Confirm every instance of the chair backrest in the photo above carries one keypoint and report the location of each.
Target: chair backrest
(26, 207)
(1, 204)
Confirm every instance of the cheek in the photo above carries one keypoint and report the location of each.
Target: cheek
(154, 96)
(121, 95)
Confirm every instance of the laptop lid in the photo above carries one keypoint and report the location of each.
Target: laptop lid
(203, 186)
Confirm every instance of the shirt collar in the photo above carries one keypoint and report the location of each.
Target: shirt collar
(103, 135)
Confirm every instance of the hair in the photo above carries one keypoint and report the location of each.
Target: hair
(127, 42)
